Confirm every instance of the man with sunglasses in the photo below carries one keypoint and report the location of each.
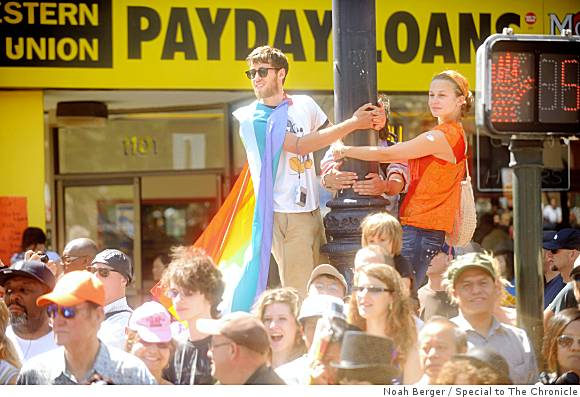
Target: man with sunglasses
(568, 296)
(280, 132)
(115, 270)
(76, 309)
(29, 328)
(474, 285)
(78, 254)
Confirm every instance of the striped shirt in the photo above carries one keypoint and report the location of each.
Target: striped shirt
(7, 372)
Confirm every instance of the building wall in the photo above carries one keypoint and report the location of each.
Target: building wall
(22, 165)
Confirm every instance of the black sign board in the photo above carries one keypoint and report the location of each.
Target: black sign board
(494, 174)
(56, 34)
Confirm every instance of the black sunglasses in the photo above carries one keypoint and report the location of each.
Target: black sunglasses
(567, 341)
(103, 272)
(262, 72)
(66, 312)
(554, 251)
(371, 289)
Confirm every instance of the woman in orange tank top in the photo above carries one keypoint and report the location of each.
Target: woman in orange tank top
(436, 161)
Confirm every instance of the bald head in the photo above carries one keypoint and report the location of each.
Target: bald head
(78, 254)
(439, 340)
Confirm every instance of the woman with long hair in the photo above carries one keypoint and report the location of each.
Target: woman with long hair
(278, 310)
(561, 349)
(9, 361)
(380, 305)
(436, 161)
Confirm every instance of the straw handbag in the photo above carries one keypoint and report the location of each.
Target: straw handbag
(465, 218)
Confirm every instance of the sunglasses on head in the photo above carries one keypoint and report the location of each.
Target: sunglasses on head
(262, 72)
(567, 341)
(66, 312)
(103, 272)
(371, 289)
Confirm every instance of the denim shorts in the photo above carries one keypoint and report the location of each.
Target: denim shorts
(418, 247)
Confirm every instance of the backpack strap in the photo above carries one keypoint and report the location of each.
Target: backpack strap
(111, 314)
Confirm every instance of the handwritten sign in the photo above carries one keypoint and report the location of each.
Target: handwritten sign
(13, 221)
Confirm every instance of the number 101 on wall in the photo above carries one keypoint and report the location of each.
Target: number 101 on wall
(528, 85)
(139, 146)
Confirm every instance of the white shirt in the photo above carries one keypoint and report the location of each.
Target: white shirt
(112, 331)
(28, 348)
(510, 342)
(304, 117)
(552, 215)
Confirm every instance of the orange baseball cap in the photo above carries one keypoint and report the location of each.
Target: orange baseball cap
(75, 288)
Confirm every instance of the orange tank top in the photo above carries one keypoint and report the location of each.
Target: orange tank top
(433, 196)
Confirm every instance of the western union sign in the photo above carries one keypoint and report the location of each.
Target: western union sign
(63, 34)
(186, 44)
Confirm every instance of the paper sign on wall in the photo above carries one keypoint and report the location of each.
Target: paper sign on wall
(13, 221)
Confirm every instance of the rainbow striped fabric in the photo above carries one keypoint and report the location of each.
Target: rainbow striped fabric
(239, 237)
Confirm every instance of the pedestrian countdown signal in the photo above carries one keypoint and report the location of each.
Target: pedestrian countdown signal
(528, 85)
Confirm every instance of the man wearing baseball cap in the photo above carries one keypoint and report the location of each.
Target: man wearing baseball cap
(566, 298)
(115, 270)
(239, 350)
(563, 249)
(326, 280)
(29, 328)
(473, 283)
(76, 309)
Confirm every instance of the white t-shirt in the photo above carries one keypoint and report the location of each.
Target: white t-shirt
(28, 348)
(304, 117)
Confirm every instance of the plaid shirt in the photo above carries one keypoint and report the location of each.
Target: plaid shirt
(111, 364)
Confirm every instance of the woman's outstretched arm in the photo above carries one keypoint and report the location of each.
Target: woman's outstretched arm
(426, 144)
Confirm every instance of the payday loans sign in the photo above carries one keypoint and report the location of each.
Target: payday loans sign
(184, 44)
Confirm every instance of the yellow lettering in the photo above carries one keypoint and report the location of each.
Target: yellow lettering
(12, 8)
(30, 6)
(38, 48)
(89, 48)
(64, 53)
(51, 48)
(67, 11)
(91, 14)
(47, 10)
(14, 51)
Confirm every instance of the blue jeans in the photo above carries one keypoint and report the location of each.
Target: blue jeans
(417, 243)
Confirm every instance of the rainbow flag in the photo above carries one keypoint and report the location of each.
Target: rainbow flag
(239, 237)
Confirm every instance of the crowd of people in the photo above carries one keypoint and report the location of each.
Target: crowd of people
(416, 312)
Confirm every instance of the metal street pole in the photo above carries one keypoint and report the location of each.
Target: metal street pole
(355, 83)
(527, 163)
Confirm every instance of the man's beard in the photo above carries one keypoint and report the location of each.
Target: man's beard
(19, 320)
(269, 91)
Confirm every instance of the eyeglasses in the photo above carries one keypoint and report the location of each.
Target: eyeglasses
(172, 293)
(371, 290)
(262, 72)
(567, 341)
(102, 271)
(66, 312)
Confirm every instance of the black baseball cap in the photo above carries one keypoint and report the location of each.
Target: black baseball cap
(30, 269)
(565, 239)
(118, 260)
